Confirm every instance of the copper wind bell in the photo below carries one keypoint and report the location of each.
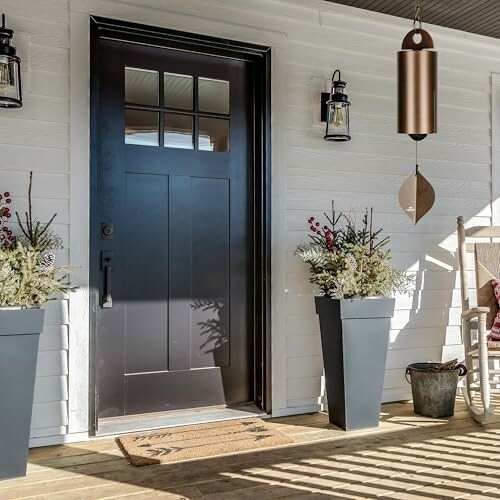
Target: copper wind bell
(417, 110)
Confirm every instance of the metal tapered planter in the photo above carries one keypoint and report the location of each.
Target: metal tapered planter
(19, 335)
(354, 337)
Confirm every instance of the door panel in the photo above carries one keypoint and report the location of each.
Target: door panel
(146, 272)
(173, 177)
(199, 271)
(210, 245)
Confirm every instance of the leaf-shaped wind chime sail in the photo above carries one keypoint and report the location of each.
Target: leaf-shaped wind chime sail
(416, 196)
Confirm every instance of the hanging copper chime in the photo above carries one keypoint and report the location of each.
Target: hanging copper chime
(417, 109)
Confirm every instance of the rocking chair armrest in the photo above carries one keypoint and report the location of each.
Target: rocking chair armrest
(474, 312)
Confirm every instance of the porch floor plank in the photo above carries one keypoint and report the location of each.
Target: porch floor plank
(407, 457)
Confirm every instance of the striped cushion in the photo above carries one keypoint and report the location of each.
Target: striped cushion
(495, 329)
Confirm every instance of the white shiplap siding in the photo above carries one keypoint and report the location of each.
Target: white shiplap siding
(368, 172)
(36, 137)
(309, 39)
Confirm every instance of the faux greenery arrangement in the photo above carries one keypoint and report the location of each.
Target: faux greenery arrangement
(28, 277)
(346, 261)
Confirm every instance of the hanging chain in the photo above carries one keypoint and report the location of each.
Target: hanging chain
(416, 18)
(416, 157)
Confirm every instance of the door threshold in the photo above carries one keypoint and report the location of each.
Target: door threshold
(151, 421)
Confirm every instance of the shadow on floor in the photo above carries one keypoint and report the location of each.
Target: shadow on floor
(442, 462)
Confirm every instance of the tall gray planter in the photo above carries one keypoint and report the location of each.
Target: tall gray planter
(354, 337)
(19, 334)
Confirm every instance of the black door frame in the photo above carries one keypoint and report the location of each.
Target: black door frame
(260, 56)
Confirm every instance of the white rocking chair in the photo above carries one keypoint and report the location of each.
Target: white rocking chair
(479, 352)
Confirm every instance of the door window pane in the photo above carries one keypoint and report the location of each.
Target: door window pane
(178, 131)
(178, 91)
(141, 86)
(213, 95)
(141, 127)
(213, 134)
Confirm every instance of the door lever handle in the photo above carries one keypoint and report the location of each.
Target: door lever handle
(106, 266)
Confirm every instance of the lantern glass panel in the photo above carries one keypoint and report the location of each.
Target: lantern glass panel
(10, 81)
(337, 124)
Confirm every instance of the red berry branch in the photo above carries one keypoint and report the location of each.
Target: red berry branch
(325, 236)
(341, 231)
(328, 236)
(6, 236)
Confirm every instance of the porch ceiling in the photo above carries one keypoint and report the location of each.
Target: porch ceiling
(475, 16)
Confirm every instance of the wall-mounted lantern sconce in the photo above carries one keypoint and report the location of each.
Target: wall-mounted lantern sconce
(335, 111)
(10, 70)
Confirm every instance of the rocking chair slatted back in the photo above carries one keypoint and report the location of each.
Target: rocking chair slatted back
(487, 263)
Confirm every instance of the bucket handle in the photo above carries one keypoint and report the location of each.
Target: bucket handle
(462, 371)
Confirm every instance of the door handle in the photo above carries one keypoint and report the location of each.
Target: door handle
(106, 266)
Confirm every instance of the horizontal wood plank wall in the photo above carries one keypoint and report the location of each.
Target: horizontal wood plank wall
(36, 137)
(368, 172)
(310, 39)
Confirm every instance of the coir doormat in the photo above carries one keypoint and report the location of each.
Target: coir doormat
(199, 441)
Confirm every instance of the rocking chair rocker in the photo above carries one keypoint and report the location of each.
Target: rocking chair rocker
(479, 352)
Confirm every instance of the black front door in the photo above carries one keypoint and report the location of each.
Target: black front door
(172, 221)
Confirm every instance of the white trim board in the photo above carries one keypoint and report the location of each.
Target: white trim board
(495, 149)
(298, 410)
(78, 356)
(38, 442)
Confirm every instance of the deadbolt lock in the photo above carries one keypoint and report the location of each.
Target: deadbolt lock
(107, 231)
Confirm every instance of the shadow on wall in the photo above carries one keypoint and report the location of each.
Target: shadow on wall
(432, 329)
(426, 324)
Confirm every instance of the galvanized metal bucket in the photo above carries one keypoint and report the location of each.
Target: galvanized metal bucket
(434, 391)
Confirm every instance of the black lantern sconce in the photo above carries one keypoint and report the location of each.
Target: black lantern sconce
(10, 71)
(335, 111)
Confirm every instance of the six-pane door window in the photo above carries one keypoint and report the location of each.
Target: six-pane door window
(190, 112)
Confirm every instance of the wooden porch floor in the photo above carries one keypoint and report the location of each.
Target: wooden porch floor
(408, 457)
